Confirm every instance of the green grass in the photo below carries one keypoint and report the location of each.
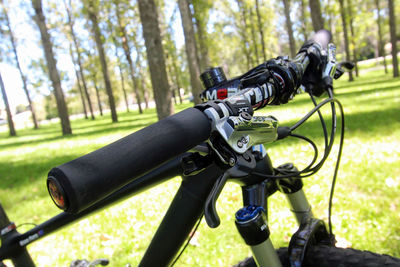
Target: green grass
(366, 211)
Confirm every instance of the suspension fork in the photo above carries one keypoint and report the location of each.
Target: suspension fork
(293, 190)
(251, 220)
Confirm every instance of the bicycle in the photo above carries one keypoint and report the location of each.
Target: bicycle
(232, 151)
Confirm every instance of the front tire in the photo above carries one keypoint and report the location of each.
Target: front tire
(327, 256)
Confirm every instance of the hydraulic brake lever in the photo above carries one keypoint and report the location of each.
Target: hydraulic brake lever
(342, 67)
(245, 163)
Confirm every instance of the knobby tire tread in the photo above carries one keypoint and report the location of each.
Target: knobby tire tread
(326, 256)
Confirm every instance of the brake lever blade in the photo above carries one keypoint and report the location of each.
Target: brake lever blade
(210, 211)
(348, 65)
(342, 67)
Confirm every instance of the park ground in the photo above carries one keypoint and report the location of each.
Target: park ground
(366, 206)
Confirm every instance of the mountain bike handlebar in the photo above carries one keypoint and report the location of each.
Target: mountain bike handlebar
(78, 184)
(85, 180)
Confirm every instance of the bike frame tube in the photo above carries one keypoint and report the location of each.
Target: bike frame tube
(183, 213)
(17, 242)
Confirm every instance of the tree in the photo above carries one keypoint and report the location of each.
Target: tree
(155, 57)
(200, 14)
(393, 39)
(119, 63)
(381, 50)
(243, 31)
(303, 20)
(91, 67)
(8, 111)
(52, 67)
(345, 35)
(142, 78)
(23, 77)
(92, 10)
(79, 57)
(260, 29)
(191, 50)
(292, 44)
(127, 50)
(316, 16)
(352, 33)
(78, 82)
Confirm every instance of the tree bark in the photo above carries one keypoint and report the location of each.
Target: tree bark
(78, 82)
(92, 12)
(246, 43)
(203, 38)
(393, 39)
(52, 67)
(8, 111)
(97, 94)
(303, 20)
(177, 79)
(381, 48)
(253, 36)
(79, 58)
(142, 83)
(155, 57)
(346, 38)
(289, 28)
(350, 8)
(261, 31)
(128, 57)
(191, 51)
(23, 77)
(316, 16)
(121, 74)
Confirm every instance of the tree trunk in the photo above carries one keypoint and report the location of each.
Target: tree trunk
(155, 57)
(8, 111)
(79, 58)
(393, 38)
(121, 74)
(350, 8)
(78, 81)
(380, 41)
(346, 38)
(246, 43)
(289, 28)
(52, 67)
(92, 12)
(253, 36)
(97, 94)
(260, 29)
(177, 79)
(303, 20)
(203, 40)
(316, 16)
(142, 83)
(23, 77)
(127, 51)
(190, 44)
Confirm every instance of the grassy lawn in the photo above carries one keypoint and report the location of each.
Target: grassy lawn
(366, 211)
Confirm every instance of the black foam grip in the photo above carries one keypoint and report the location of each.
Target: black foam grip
(323, 37)
(92, 177)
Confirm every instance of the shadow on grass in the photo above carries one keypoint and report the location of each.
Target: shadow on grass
(22, 173)
(367, 81)
(354, 94)
(370, 123)
(101, 129)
